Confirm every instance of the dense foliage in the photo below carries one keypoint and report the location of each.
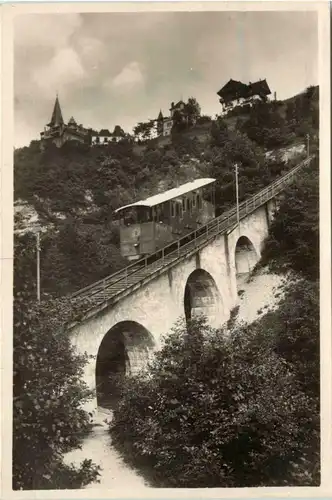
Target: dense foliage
(277, 124)
(294, 233)
(293, 328)
(218, 410)
(48, 393)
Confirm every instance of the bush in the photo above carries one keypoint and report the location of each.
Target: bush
(295, 329)
(48, 419)
(201, 120)
(216, 411)
(294, 232)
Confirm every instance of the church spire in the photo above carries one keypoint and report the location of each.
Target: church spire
(56, 115)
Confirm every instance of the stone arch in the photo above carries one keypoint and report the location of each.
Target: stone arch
(246, 257)
(201, 296)
(124, 350)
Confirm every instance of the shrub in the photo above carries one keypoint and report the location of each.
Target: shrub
(48, 419)
(216, 411)
(294, 232)
(294, 328)
(201, 120)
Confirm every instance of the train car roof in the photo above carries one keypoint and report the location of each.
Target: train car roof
(170, 194)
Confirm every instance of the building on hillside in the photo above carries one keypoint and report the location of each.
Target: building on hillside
(236, 93)
(168, 124)
(58, 132)
(179, 107)
(164, 125)
(105, 137)
(160, 123)
(180, 114)
(102, 137)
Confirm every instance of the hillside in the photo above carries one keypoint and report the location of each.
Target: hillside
(72, 192)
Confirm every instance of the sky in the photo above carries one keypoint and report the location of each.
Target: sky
(122, 68)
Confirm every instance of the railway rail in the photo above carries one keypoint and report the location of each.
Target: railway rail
(112, 286)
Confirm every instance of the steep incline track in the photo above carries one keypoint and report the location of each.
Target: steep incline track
(110, 288)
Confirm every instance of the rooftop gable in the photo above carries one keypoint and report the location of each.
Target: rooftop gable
(260, 87)
(72, 121)
(177, 105)
(104, 133)
(233, 88)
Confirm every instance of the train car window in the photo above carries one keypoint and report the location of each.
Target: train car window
(188, 205)
(173, 209)
(141, 216)
(160, 209)
(183, 204)
(180, 210)
(194, 200)
(177, 209)
(130, 217)
(197, 201)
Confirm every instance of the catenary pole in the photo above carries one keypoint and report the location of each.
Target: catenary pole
(237, 192)
(38, 264)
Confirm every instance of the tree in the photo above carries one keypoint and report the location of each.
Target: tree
(219, 132)
(295, 328)
(192, 111)
(119, 131)
(216, 410)
(143, 130)
(48, 393)
(266, 126)
(294, 232)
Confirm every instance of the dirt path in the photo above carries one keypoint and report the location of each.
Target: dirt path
(97, 446)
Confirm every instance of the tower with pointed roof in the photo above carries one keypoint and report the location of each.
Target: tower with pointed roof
(58, 132)
(56, 120)
(160, 123)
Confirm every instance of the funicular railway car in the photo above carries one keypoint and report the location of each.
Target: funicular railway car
(148, 225)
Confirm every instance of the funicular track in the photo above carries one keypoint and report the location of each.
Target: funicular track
(109, 289)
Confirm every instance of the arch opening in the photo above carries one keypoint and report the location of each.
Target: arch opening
(246, 258)
(124, 350)
(201, 296)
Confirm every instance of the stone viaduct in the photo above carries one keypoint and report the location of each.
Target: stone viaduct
(121, 334)
(206, 282)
